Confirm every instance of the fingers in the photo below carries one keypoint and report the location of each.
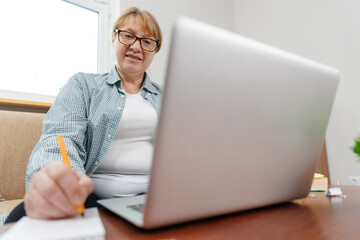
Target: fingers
(37, 206)
(37, 201)
(66, 179)
(55, 191)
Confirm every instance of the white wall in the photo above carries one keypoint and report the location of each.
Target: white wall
(326, 31)
(216, 12)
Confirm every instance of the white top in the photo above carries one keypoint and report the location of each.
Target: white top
(125, 169)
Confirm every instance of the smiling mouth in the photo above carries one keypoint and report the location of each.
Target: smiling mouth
(133, 57)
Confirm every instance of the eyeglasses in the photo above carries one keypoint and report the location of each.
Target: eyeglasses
(128, 38)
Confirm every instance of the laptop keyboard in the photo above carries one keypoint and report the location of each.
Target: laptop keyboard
(137, 207)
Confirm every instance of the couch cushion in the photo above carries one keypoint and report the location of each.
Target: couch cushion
(19, 133)
(7, 206)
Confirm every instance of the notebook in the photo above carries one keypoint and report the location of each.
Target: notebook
(87, 227)
(242, 126)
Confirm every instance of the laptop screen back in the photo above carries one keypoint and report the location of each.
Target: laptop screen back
(241, 126)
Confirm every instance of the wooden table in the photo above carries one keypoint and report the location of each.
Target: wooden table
(312, 218)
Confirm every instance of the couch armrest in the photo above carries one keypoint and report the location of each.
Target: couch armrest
(19, 133)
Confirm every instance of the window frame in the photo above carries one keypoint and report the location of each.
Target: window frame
(102, 7)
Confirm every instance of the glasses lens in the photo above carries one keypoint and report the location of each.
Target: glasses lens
(127, 38)
(148, 44)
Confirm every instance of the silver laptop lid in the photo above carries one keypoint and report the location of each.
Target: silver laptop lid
(242, 125)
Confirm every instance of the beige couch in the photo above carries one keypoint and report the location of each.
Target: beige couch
(19, 133)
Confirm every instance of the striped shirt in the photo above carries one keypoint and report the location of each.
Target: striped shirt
(86, 113)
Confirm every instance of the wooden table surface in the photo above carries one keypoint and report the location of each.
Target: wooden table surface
(312, 218)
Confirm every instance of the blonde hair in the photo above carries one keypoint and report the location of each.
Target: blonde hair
(149, 22)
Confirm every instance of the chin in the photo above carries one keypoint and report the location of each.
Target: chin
(131, 68)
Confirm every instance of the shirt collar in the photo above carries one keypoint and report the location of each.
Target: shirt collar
(147, 84)
(113, 76)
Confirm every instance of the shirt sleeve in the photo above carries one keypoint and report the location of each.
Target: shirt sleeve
(67, 117)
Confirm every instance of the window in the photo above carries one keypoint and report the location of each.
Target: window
(44, 42)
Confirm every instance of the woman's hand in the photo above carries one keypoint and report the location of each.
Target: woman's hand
(55, 191)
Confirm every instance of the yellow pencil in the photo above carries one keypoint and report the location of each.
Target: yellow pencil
(66, 160)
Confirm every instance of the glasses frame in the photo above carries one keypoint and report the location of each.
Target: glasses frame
(118, 31)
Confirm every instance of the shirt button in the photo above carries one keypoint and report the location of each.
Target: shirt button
(119, 108)
(109, 136)
(96, 163)
(122, 96)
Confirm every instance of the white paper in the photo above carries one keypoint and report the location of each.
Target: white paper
(87, 227)
(334, 192)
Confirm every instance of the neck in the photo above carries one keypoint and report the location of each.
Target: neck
(132, 83)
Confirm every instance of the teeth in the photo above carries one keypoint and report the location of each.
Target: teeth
(133, 57)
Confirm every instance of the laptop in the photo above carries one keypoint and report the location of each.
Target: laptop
(242, 125)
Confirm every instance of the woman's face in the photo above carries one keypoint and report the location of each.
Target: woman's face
(132, 60)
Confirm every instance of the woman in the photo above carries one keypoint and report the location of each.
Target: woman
(107, 121)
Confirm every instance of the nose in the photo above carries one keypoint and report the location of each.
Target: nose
(136, 45)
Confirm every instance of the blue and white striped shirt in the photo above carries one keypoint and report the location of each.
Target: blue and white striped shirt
(86, 112)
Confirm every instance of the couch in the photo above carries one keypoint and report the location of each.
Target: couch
(19, 133)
